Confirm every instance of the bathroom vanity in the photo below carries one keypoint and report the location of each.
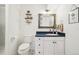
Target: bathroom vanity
(49, 43)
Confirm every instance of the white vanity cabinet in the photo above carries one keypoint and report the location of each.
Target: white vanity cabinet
(49, 45)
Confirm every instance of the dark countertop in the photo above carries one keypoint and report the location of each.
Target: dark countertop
(43, 34)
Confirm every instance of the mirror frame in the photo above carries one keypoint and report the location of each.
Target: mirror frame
(54, 26)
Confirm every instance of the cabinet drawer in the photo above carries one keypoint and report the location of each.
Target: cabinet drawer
(39, 52)
(39, 43)
(39, 46)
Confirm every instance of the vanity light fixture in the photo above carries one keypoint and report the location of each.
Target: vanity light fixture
(47, 12)
(28, 17)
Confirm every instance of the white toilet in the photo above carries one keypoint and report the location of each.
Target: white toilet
(24, 48)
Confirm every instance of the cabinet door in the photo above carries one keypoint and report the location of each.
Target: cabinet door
(48, 46)
(39, 46)
(59, 47)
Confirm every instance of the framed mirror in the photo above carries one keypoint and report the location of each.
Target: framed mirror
(47, 21)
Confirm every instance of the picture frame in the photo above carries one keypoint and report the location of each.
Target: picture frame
(74, 16)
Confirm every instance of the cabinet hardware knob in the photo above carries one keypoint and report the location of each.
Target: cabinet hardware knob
(54, 42)
(39, 52)
(38, 44)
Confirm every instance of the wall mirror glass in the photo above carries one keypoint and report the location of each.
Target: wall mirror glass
(47, 21)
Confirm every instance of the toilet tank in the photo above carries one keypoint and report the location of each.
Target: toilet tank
(30, 39)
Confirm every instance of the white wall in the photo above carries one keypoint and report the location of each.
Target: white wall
(12, 28)
(72, 31)
(30, 29)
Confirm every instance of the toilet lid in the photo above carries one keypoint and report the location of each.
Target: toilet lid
(24, 46)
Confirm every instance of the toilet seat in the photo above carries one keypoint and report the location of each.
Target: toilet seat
(24, 48)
